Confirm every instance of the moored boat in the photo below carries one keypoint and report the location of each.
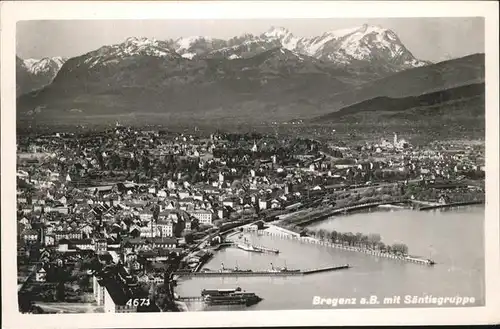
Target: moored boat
(248, 247)
(229, 297)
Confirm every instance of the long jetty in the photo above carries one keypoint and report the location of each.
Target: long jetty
(327, 269)
(261, 273)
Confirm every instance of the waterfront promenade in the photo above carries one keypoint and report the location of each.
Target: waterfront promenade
(450, 205)
(334, 211)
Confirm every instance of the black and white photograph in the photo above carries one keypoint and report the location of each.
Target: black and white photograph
(241, 165)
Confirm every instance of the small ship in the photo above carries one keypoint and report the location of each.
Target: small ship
(252, 248)
(248, 247)
(419, 260)
(229, 297)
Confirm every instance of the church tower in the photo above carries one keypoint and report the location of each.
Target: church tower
(254, 147)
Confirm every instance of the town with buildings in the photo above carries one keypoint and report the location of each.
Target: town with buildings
(105, 218)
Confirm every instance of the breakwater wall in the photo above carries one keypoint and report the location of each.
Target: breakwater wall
(236, 274)
(327, 269)
(261, 273)
(282, 233)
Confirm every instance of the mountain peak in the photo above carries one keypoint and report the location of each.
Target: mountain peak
(140, 41)
(357, 30)
(372, 28)
(366, 43)
(50, 65)
(36, 73)
(368, 29)
(277, 32)
(186, 42)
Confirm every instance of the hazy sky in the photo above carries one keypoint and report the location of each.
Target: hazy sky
(433, 39)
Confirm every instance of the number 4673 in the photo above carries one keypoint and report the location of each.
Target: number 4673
(138, 302)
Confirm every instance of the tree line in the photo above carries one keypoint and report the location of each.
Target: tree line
(364, 241)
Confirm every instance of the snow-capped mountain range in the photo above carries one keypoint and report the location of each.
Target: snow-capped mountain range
(374, 47)
(359, 46)
(34, 74)
(364, 43)
(132, 46)
(44, 65)
(368, 44)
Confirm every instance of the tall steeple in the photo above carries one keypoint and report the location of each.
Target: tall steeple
(42, 235)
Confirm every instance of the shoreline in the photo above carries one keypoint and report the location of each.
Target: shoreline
(387, 206)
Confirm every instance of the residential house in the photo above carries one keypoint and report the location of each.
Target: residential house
(146, 215)
(137, 244)
(41, 275)
(87, 230)
(49, 240)
(101, 246)
(30, 235)
(222, 213)
(25, 222)
(68, 234)
(183, 194)
(275, 204)
(149, 231)
(83, 244)
(263, 204)
(230, 202)
(187, 203)
(63, 245)
(164, 243)
(170, 205)
(166, 227)
(59, 209)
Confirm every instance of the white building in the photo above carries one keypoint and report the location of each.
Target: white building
(203, 216)
(263, 204)
(113, 299)
(164, 227)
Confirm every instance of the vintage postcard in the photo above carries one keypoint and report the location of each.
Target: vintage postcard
(249, 163)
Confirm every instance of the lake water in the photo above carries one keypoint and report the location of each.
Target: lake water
(453, 238)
